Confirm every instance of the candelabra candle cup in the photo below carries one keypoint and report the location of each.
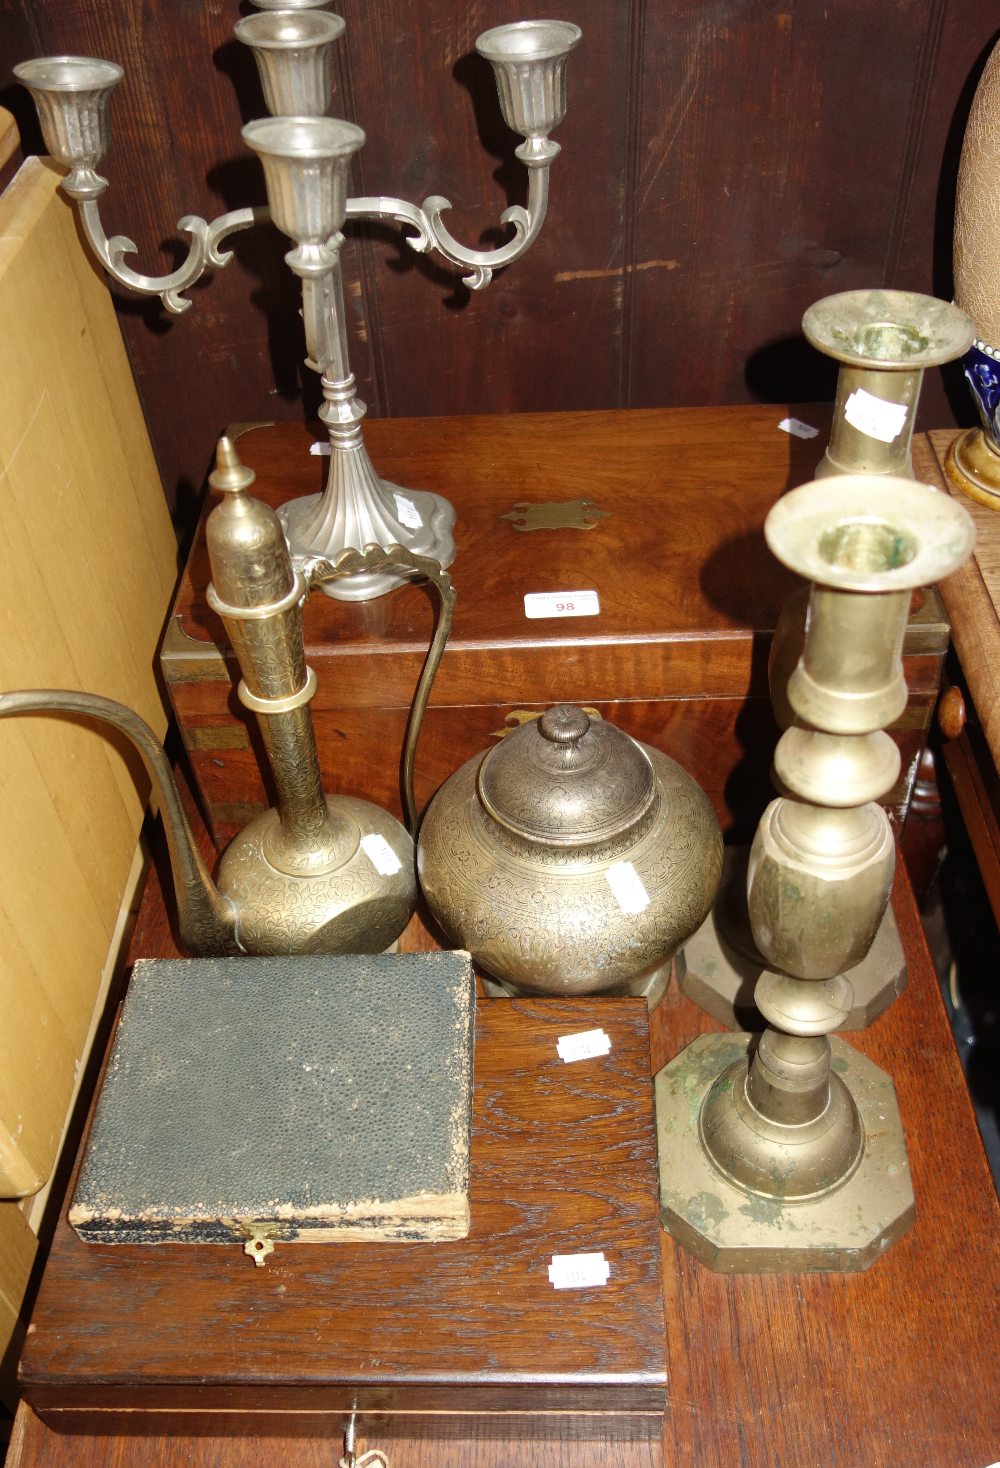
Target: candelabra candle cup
(290, 4)
(884, 341)
(306, 162)
(72, 96)
(529, 62)
(293, 50)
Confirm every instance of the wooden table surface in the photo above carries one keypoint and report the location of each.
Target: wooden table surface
(893, 1366)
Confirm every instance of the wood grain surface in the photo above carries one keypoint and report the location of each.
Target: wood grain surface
(891, 1366)
(563, 1162)
(677, 657)
(707, 192)
(972, 594)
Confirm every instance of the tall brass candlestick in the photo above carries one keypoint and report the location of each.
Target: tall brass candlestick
(884, 342)
(771, 1159)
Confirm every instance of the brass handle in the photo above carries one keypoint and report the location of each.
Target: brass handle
(951, 713)
(398, 558)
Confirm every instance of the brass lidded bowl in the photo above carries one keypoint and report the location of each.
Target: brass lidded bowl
(571, 859)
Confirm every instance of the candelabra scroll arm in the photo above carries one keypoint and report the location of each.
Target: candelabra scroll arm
(398, 559)
(432, 234)
(401, 211)
(205, 239)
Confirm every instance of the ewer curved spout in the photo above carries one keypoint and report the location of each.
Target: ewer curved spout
(206, 919)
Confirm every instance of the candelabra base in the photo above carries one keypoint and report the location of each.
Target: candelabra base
(358, 509)
(735, 1231)
(973, 466)
(719, 966)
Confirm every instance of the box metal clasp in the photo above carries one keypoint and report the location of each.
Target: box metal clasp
(258, 1241)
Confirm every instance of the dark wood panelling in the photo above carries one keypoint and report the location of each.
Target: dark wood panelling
(774, 138)
(546, 333)
(723, 165)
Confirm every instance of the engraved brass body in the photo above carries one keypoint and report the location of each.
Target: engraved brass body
(570, 859)
(796, 1159)
(316, 874)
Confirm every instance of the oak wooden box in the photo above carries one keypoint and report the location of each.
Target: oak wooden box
(688, 593)
(446, 1339)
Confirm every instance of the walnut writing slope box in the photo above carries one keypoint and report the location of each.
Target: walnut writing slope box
(285, 1098)
(464, 1338)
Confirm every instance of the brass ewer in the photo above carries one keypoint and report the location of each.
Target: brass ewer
(787, 1152)
(317, 873)
(570, 859)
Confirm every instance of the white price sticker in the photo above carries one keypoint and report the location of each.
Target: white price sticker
(578, 1271)
(319, 449)
(874, 417)
(407, 512)
(797, 428)
(584, 1045)
(381, 855)
(627, 887)
(561, 604)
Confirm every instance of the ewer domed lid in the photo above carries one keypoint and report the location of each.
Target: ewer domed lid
(567, 780)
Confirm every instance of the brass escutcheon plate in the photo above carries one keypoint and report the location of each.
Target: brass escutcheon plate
(555, 515)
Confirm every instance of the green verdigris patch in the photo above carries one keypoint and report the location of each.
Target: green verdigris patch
(705, 1209)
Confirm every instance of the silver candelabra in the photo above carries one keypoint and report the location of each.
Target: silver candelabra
(306, 159)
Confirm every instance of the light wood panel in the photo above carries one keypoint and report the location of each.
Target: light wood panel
(18, 1246)
(87, 564)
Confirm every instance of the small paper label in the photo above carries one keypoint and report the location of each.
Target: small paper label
(583, 1045)
(407, 512)
(381, 855)
(627, 886)
(797, 428)
(561, 604)
(578, 1271)
(874, 417)
(319, 449)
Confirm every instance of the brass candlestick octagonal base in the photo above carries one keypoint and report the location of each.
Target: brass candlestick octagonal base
(736, 1231)
(719, 965)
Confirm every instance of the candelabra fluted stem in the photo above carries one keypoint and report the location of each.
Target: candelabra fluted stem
(358, 507)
